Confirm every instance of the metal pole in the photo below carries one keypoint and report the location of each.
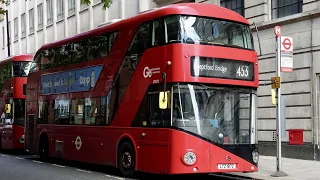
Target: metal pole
(279, 172)
(8, 38)
(279, 164)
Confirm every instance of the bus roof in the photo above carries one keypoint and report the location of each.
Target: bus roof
(196, 9)
(20, 57)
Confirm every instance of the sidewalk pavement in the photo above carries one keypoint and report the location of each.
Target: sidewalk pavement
(295, 168)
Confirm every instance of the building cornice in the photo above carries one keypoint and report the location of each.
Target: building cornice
(287, 20)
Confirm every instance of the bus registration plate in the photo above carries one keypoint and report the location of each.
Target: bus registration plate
(227, 166)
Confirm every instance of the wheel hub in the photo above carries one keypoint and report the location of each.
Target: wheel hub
(126, 160)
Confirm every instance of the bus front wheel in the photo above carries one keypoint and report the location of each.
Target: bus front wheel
(127, 159)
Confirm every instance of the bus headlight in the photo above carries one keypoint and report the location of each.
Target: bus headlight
(21, 139)
(255, 156)
(189, 158)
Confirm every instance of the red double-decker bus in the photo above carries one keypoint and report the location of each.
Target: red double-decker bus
(169, 91)
(13, 82)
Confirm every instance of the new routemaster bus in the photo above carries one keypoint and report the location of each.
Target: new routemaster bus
(169, 91)
(13, 82)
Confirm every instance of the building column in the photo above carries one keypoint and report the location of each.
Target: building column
(143, 5)
(122, 9)
(35, 10)
(45, 21)
(27, 26)
(5, 50)
(91, 15)
(11, 28)
(66, 25)
(19, 28)
(54, 7)
(78, 16)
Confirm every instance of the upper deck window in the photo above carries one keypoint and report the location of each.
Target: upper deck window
(208, 31)
(21, 69)
(92, 48)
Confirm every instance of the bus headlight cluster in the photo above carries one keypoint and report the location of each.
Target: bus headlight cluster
(255, 156)
(189, 158)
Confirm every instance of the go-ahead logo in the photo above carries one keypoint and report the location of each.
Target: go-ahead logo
(147, 72)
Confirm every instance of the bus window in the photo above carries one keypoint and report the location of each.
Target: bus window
(98, 47)
(80, 49)
(35, 63)
(19, 111)
(21, 69)
(112, 38)
(64, 55)
(77, 111)
(62, 114)
(141, 40)
(173, 29)
(149, 114)
(47, 58)
(158, 33)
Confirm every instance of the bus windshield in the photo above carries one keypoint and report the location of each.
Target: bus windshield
(221, 115)
(21, 69)
(208, 31)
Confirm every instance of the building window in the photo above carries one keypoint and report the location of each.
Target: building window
(31, 21)
(3, 38)
(49, 12)
(15, 21)
(83, 7)
(235, 5)
(71, 7)
(40, 16)
(96, 1)
(60, 9)
(282, 8)
(23, 25)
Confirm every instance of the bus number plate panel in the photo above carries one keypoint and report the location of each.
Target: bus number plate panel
(227, 166)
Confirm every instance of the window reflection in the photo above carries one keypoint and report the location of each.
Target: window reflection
(208, 31)
(21, 69)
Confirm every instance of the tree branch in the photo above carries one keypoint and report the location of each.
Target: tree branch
(106, 3)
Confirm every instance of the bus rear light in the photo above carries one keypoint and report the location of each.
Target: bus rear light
(189, 158)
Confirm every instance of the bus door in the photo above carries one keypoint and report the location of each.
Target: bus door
(154, 136)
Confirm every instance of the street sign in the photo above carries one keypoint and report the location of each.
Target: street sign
(286, 44)
(277, 31)
(275, 82)
(286, 54)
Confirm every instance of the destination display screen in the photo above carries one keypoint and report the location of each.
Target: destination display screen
(222, 68)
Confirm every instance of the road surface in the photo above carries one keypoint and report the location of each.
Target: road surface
(19, 166)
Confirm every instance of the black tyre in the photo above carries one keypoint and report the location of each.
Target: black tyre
(127, 159)
(44, 150)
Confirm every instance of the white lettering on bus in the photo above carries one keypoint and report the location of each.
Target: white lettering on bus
(84, 81)
(207, 67)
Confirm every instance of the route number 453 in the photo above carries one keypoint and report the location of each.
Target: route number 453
(242, 71)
